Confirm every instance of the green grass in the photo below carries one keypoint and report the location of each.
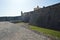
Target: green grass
(46, 31)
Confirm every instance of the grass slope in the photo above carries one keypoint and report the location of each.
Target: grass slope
(46, 31)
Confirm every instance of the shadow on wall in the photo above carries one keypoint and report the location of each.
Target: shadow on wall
(47, 17)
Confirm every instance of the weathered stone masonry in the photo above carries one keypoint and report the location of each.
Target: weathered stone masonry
(47, 17)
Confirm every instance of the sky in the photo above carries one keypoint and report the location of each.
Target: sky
(14, 7)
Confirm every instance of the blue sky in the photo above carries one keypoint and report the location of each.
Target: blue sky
(14, 7)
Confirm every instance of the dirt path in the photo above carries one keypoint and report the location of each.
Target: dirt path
(9, 31)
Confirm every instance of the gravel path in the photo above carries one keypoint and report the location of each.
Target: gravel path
(10, 31)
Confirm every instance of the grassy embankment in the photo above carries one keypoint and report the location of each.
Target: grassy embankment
(46, 31)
